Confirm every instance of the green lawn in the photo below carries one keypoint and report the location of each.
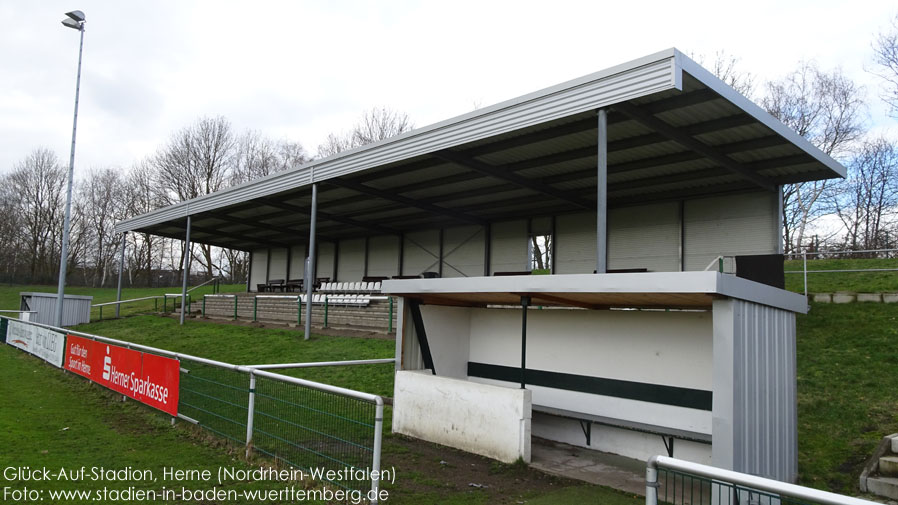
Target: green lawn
(10, 299)
(829, 282)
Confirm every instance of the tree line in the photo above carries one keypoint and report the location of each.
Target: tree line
(201, 158)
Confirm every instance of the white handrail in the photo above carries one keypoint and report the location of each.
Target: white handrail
(126, 301)
(312, 364)
(741, 479)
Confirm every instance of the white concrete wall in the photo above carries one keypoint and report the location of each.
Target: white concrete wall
(487, 420)
(422, 249)
(383, 256)
(351, 260)
(666, 348)
(448, 330)
(731, 225)
(297, 262)
(508, 252)
(463, 251)
(259, 267)
(277, 268)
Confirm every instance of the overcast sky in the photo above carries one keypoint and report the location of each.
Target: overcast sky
(300, 70)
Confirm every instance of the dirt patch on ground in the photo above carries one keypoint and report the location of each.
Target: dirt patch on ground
(433, 470)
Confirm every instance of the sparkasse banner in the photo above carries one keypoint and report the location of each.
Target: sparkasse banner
(43, 343)
(148, 378)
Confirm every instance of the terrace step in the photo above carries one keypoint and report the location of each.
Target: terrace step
(888, 465)
(883, 486)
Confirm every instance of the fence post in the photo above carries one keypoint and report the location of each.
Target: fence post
(204, 306)
(325, 311)
(155, 304)
(390, 327)
(804, 257)
(298, 310)
(164, 304)
(651, 483)
(250, 408)
(255, 306)
(101, 312)
(235, 307)
(378, 437)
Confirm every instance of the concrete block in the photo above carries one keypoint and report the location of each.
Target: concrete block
(894, 443)
(888, 466)
(844, 297)
(869, 297)
(492, 421)
(822, 297)
(883, 486)
(890, 298)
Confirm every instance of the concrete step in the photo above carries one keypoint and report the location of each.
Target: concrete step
(895, 445)
(883, 486)
(888, 465)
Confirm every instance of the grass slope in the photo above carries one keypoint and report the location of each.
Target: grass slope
(858, 282)
(847, 390)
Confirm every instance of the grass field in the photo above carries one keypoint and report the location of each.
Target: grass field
(10, 299)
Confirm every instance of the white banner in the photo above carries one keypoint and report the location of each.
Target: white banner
(46, 344)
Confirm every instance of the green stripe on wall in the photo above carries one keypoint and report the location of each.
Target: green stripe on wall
(653, 393)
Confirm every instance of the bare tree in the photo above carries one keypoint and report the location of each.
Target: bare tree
(198, 160)
(12, 245)
(725, 67)
(885, 54)
(866, 203)
(103, 194)
(40, 182)
(826, 108)
(142, 195)
(376, 124)
(258, 156)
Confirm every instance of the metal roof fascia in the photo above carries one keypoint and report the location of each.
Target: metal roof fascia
(578, 95)
(710, 80)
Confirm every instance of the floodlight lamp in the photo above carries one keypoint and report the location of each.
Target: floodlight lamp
(77, 16)
(71, 24)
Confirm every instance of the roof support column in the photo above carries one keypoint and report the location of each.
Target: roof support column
(602, 194)
(525, 302)
(310, 273)
(780, 246)
(121, 267)
(186, 271)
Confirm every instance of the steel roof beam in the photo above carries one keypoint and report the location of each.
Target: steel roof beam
(330, 217)
(505, 175)
(649, 120)
(410, 202)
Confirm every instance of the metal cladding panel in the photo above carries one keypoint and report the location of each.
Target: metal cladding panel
(765, 429)
(421, 252)
(351, 260)
(508, 248)
(277, 268)
(728, 226)
(645, 237)
(575, 243)
(297, 265)
(259, 268)
(324, 265)
(651, 74)
(383, 256)
(463, 251)
(75, 308)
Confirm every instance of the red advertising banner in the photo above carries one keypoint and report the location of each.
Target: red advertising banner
(147, 378)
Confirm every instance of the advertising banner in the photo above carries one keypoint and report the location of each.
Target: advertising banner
(147, 378)
(43, 343)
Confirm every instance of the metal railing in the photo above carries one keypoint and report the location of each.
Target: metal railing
(305, 424)
(677, 482)
(867, 254)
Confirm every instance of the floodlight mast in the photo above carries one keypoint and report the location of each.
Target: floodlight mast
(75, 20)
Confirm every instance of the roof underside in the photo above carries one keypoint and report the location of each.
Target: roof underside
(669, 145)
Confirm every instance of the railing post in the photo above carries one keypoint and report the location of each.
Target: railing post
(804, 257)
(204, 306)
(255, 307)
(378, 438)
(101, 312)
(155, 304)
(325, 311)
(651, 483)
(298, 310)
(390, 323)
(250, 410)
(235, 307)
(164, 304)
